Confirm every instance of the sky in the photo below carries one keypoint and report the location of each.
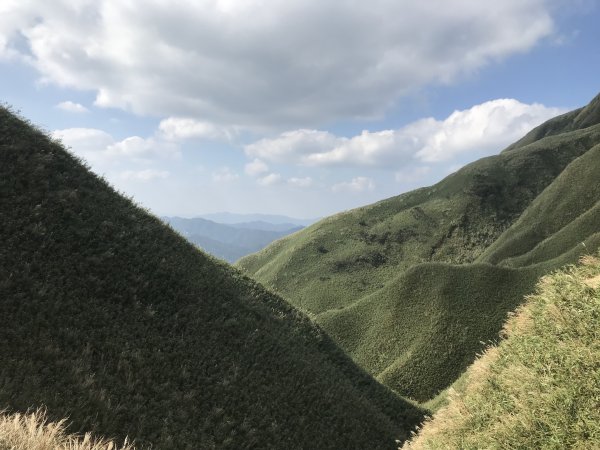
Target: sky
(296, 107)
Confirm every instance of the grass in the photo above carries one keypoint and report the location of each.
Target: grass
(33, 431)
(111, 319)
(540, 387)
(369, 275)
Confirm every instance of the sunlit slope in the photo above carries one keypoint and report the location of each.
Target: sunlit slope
(113, 320)
(419, 332)
(539, 388)
(561, 217)
(351, 271)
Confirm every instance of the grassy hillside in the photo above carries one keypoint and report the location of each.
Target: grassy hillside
(33, 432)
(421, 330)
(571, 201)
(113, 320)
(352, 272)
(539, 388)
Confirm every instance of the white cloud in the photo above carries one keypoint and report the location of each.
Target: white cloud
(100, 148)
(145, 175)
(256, 167)
(187, 128)
(412, 174)
(70, 106)
(88, 143)
(358, 184)
(224, 175)
(482, 129)
(304, 182)
(264, 63)
(292, 146)
(487, 127)
(142, 149)
(270, 180)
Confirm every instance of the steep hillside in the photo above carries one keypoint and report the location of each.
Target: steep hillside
(539, 388)
(111, 319)
(572, 201)
(334, 268)
(229, 242)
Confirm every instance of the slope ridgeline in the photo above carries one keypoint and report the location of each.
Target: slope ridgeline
(114, 321)
(413, 286)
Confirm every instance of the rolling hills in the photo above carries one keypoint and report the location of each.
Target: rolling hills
(539, 388)
(111, 319)
(412, 287)
(229, 242)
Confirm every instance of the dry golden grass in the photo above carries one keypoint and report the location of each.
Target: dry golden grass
(34, 432)
(539, 388)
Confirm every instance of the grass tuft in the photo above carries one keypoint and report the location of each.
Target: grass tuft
(34, 431)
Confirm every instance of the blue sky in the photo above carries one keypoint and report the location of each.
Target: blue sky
(303, 108)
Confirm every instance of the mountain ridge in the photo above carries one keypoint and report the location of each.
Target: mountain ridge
(329, 268)
(111, 319)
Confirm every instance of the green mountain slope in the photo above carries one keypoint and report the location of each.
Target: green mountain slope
(539, 388)
(113, 320)
(419, 332)
(351, 270)
(574, 193)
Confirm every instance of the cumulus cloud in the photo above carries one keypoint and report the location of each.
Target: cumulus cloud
(256, 167)
(176, 128)
(358, 184)
(270, 179)
(142, 149)
(412, 174)
(100, 148)
(224, 175)
(482, 129)
(145, 175)
(263, 63)
(304, 182)
(70, 106)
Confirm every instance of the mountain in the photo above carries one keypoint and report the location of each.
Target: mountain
(267, 226)
(229, 242)
(112, 320)
(412, 287)
(539, 387)
(233, 218)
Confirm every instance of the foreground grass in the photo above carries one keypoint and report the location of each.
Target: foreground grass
(540, 387)
(34, 432)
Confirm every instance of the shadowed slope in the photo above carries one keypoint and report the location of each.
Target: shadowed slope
(111, 319)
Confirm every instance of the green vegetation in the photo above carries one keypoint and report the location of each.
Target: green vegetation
(540, 387)
(113, 320)
(34, 432)
(413, 287)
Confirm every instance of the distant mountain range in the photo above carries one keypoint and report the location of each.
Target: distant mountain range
(232, 241)
(234, 218)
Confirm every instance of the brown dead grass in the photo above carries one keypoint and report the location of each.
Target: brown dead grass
(34, 432)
